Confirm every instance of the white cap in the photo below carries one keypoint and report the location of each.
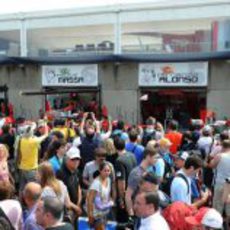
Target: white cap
(73, 152)
(212, 219)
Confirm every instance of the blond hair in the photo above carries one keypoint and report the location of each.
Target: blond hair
(109, 146)
(4, 153)
(48, 177)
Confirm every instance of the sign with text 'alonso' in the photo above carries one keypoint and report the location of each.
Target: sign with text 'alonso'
(173, 74)
(70, 75)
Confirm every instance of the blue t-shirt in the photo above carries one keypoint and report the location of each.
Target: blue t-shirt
(136, 149)
(55, 163)
(159, 168)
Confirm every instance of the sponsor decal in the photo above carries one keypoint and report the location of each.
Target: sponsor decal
(173, 74)
(70, 75)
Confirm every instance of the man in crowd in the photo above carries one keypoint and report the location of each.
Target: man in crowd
(92, 167)
(181, 189)
(174, 136)
(49, 214)
(133, 147)
(125, 162)
(27, 148)
(221, 163)
(149, 132)
(146, 207)
(69, 175)
(149, 159)
(90, 138)
(31, 196)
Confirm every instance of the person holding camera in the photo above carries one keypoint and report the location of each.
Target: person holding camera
(90, 138)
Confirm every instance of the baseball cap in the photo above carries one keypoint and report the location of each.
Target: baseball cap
(164, 142)
(183, 155)
(73, 153)
(208, 217)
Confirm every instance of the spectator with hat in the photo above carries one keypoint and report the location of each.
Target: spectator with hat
(164, 165)
(150, 183)
(205, 219)
(69, 174)
(206, 141)
(180, 158)
(181, 188)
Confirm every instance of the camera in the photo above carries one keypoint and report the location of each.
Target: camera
(129, 224)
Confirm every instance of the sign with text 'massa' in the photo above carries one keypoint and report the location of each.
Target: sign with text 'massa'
(173, 74)
(70, 75)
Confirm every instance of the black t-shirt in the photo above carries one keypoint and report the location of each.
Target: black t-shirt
(71, 180)
(124, 165)
(64, 226)
(112, 158)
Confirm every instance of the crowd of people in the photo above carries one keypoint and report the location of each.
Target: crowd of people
(142, 177)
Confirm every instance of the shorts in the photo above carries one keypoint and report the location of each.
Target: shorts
(218, 203)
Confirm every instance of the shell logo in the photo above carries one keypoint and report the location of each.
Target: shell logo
(167, 69)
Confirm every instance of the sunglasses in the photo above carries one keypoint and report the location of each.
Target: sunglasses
(75, 159)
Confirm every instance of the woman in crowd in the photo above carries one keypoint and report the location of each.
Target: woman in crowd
(110, 150)
(55, 154)
(53, 187)
(10, 209)
(99, 201)
(4, 170)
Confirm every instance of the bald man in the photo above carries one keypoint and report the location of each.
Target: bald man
(31, 196)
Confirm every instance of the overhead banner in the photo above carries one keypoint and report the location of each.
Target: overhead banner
(70, 75)
(173, 74)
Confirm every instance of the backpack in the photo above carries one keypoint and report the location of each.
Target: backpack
(166, 184)
(148, 137)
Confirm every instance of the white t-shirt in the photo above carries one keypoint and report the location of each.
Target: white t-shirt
(205, 143)
(154, 222)
(49, 192)
(13, 211)
(103, 192)
(91, 167)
